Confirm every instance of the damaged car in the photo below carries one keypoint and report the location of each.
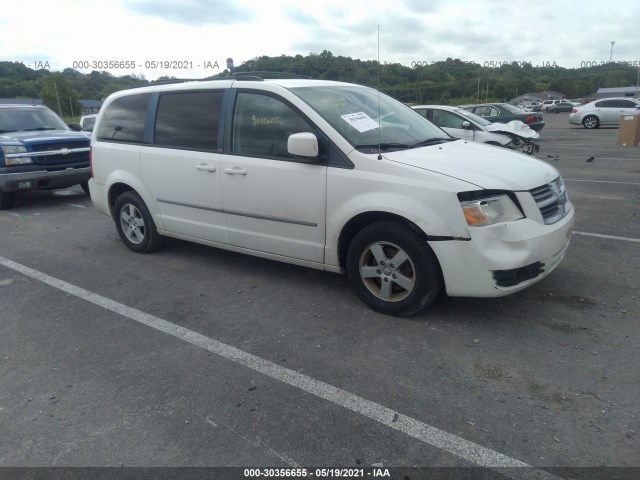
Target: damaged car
(461, 123)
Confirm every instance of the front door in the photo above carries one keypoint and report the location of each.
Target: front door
(274, 203)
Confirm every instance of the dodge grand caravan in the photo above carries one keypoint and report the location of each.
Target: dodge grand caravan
(328, 175)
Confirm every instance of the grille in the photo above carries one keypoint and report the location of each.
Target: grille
(60, 159)
(552, 200)
(43, 147)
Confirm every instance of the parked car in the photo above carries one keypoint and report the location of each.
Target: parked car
(606, 111)
(328, 175)
(504, 113)
(461, 123)
(530, 106)
(560, 107)
(547, 105)
(39, 152)
(87, 122)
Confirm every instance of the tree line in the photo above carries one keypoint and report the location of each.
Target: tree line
(449, 81)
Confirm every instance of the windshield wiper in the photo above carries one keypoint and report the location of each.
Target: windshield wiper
(433, 141)
(39, 129)
(386, 146)
(423, 143)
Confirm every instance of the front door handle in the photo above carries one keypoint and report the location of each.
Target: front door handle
(206, 167)
(235, 171)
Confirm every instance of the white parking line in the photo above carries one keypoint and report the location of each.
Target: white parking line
(416, 429)
(600, 181)
(608, 237)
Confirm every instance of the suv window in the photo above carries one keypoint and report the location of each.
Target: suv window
(188, 120)
(124, 119)
(262, 125)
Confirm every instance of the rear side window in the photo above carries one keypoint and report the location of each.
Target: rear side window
(188, 120)
(123, 120)
(606, 104)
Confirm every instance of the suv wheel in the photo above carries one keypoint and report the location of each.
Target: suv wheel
(590, 121)
(135, 224)
(392, 269)
(7, 200)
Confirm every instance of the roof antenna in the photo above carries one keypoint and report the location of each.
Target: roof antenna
(379, 114)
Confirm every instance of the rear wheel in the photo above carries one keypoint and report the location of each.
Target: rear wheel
(392, 269)
(7, 200)
(135, 224)
(590, 121)
(555, 110)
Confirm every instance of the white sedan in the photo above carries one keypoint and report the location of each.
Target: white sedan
(461, 123)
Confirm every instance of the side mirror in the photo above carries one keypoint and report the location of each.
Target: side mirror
(466, 124)
(76, 127)
(304, 144)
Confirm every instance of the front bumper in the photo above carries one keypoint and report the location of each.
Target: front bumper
(505, 258)
(43, 179)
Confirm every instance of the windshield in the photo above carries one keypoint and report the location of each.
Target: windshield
(356, 112)
(472, 116)
(29, 119)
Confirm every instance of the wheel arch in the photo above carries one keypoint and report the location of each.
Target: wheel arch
(357, 223)
(115, 191)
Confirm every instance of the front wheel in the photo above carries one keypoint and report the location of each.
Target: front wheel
(591, 121)
(135, 224)
(393, 269)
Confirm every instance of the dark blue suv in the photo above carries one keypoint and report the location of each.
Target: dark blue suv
(38, 151)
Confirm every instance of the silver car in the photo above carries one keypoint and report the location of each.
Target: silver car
(606, 111)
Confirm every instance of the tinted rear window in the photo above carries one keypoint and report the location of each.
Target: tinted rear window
(123, 120)
(189, 120)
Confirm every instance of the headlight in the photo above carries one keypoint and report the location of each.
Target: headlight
(13, 149)
(490, 210)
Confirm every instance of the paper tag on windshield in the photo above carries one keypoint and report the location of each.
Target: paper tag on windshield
(360, 121)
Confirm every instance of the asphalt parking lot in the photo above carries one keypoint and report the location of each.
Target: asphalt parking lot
(196, 357)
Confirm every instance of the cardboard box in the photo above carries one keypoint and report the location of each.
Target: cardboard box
(629, 132)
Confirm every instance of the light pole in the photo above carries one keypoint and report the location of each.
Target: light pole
(611, 54)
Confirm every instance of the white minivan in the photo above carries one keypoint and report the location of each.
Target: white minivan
(332, 176)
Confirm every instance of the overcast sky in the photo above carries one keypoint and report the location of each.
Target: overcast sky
(202, 33)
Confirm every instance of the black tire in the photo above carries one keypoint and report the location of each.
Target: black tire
(590, 121)
(555, 110)
(85, 187)
(394, 289)
(135, 225)
(7, 200)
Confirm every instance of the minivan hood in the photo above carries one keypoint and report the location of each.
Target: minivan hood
(488, 167)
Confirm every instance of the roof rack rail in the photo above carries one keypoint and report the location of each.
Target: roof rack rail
(178, 80)
(258, 75)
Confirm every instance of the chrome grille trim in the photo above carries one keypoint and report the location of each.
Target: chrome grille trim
(552, 200)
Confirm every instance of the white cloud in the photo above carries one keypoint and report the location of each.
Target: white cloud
(196, 32)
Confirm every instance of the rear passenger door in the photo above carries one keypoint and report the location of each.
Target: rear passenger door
(275, 203)
(182, 166)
